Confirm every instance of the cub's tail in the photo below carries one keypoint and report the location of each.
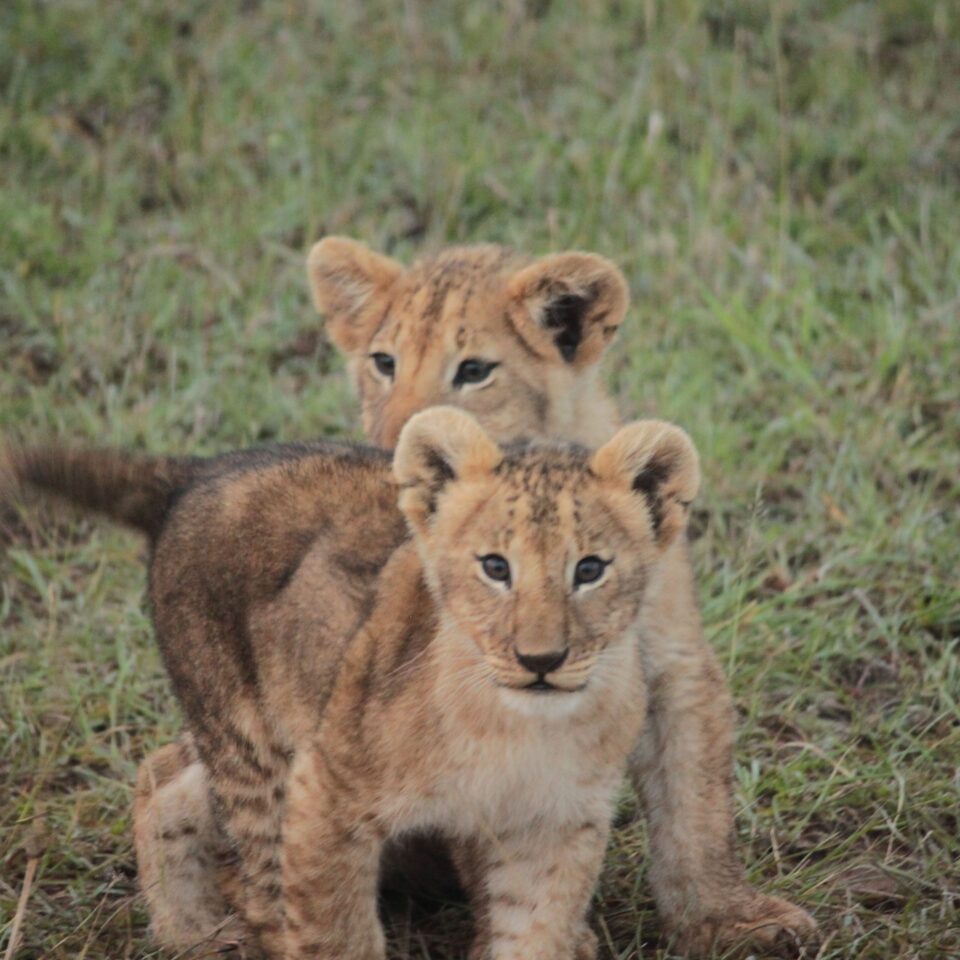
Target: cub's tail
(135, 489)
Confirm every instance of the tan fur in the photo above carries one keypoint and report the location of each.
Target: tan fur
(428, 724)
(682, 767)
(185, 863)
(490, 304)
(545, 323)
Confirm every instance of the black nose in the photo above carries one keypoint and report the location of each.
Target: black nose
(542, 663)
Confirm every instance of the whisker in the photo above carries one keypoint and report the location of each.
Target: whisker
(408, 665)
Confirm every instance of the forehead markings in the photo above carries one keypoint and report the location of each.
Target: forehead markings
(415, 328)
(467, 295)
(577, 506)
(440, 288)
(465, 269)
(433, 280)
(486, 270)
(541, 478)
(453, 272)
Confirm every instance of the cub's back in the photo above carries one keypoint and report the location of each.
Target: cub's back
(308, 524)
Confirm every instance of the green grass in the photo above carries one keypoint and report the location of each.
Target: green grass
(781, 184)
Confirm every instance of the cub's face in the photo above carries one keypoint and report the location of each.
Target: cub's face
(513, 342)
(540, 556)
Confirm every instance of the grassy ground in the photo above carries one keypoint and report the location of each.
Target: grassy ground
(780, 182)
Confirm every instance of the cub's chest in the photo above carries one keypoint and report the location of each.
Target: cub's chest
(503, 782)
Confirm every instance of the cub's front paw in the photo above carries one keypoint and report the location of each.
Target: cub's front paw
(754, 923)
(584, 948)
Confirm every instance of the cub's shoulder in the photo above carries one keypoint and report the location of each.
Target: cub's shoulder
(252, 516)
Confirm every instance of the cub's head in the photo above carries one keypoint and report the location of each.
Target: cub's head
(514, 342)
(541, 556)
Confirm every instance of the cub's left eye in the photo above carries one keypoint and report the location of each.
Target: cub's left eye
(474, 371)
(589, 570)
(496, 567)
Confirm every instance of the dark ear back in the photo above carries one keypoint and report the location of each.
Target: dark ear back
(346, 279)
(565, 317)
(658, 463)
(569, 306)
(438, 446)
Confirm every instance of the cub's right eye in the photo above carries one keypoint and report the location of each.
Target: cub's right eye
(385, 364)
(473, 370)
(495, 567)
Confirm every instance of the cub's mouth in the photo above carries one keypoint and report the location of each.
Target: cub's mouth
(541, 686)
(542, 696)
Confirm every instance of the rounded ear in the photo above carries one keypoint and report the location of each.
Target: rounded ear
(657, 461)
(346, 279)
(569, 305)
(437, 446)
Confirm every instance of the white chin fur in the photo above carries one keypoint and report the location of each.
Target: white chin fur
(544, 705)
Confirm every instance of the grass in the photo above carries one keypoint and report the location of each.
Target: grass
(780, 183)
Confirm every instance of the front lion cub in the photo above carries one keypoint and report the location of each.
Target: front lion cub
(492, 694)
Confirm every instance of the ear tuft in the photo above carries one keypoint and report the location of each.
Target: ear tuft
(436, 447)
(658, 461)
(346, 280)
(569, 303)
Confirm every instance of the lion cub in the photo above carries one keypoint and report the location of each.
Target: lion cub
(517, 343)
(492, 694)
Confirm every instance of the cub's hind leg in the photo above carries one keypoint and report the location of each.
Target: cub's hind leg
(183, 856)
(248, 771)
